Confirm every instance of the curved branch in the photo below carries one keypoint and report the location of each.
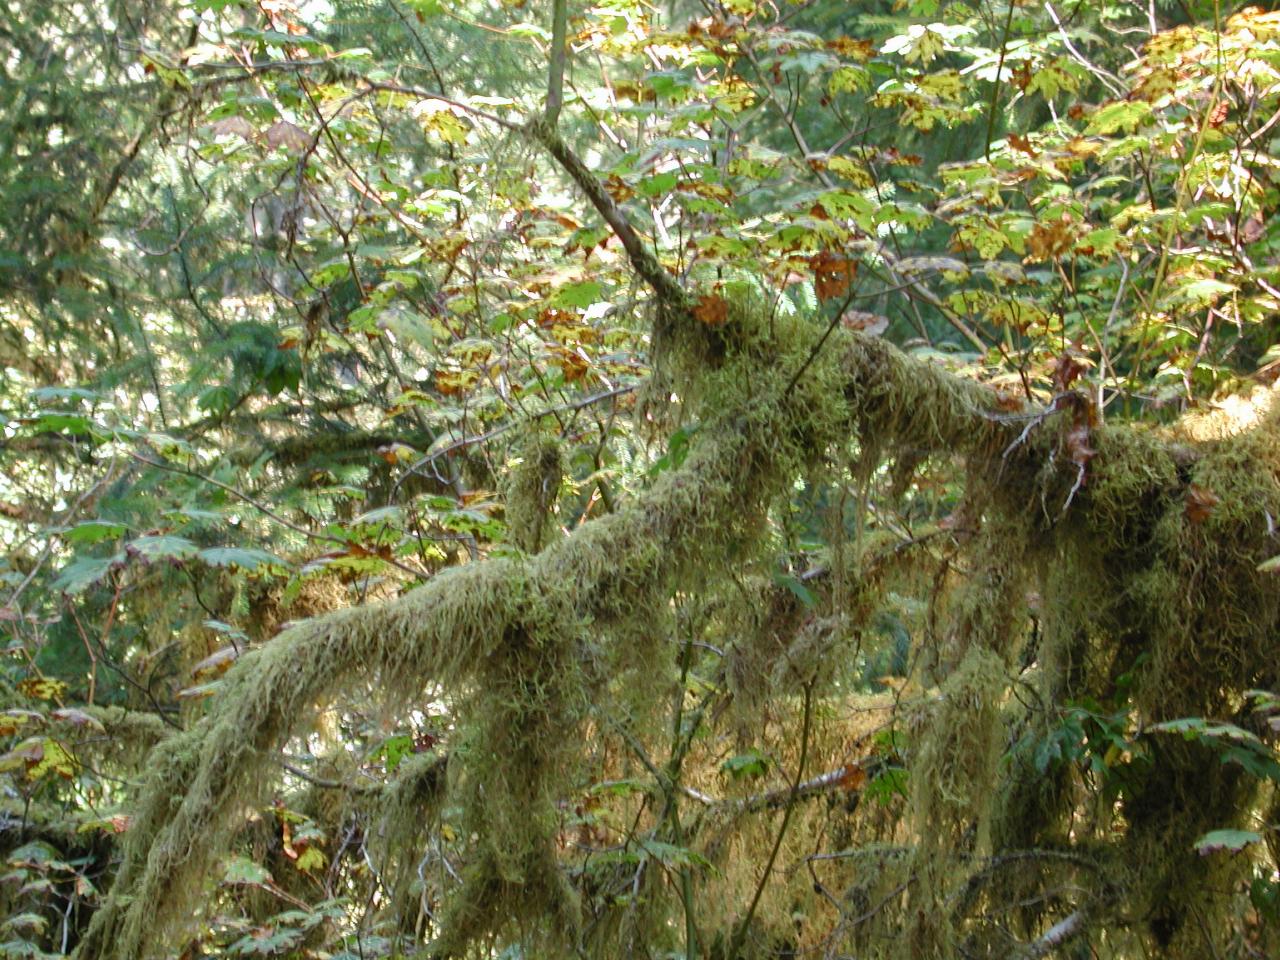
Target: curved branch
(450, 629)
(666, 286)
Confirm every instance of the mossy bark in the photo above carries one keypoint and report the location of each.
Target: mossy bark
(532, 643)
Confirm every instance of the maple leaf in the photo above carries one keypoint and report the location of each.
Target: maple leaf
(1018, 142)
(852, 777)
(711, 309)
(1066, 368)
(574, 366)
(1022, 75)
(216, 663)
(451, 383)
(289, 136)
(832, 274)
(860, 50)
(1077, 443)
(1048, 241)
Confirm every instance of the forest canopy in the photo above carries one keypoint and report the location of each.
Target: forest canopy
(691, 480)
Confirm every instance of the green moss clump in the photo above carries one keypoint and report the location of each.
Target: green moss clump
(532, 491)
(1145, 589)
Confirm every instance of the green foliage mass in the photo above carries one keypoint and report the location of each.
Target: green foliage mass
(813, 492)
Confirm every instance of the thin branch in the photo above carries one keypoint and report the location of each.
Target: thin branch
(559, 51)
(667, 287)
(740, 934)
(471, 441)
(823, 783)
(1065, 930)
(995, 92)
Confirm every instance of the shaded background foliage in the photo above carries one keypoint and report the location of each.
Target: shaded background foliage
(290, 309)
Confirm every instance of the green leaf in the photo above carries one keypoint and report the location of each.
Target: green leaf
(619, 788)
(888, 783)
(242, 870)
(1121, 115)
(797, 587)
(79, 575)
(1201, 292)
(671, 855)
(657, 185)
(93, 531)
(155, 548)
(848, 79)
(393, 750)
(1255, 758)
(426, 8)
(581, 295)
(55, 422)
(246, 558)
(1232, 840)
(749, 764)
(677, 450)
(26, 925)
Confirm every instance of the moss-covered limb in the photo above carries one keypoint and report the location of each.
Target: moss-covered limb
(202, 777)
(534, 639)
(1153, 601)
(474, 623)
(904, 402)
(454, 628)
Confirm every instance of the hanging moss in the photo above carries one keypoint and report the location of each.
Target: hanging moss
(1135, 574)
(402, 815)
(959, 739)
(532, 490)
(512, 631)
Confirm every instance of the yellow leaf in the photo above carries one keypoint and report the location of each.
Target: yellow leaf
(54, 759)
(311, 859)
(42, 688)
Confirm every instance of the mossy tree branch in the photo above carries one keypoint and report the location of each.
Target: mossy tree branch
(449, 629)
(515, 627)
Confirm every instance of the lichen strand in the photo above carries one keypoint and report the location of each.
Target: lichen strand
(402, 814)
(953, 785)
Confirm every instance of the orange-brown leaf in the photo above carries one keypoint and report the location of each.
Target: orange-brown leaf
(832, 275)
(852, 777)
(1200, 502)
(216, 663)
(711, 309)
(1022, 143)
